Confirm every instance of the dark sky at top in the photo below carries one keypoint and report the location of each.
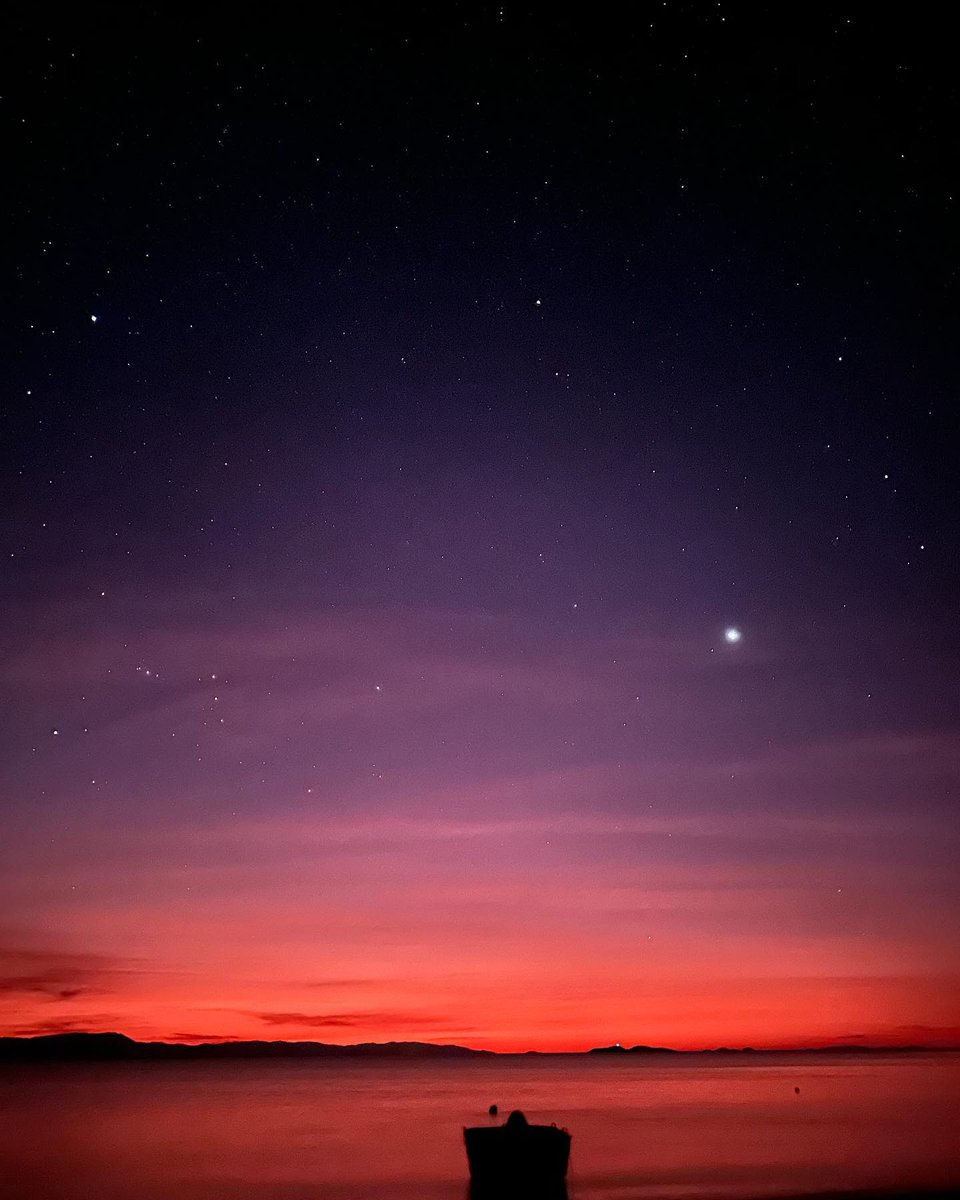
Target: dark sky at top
(504, 337)
(316, 254)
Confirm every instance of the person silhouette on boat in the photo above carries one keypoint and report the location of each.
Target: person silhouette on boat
(517, 1120)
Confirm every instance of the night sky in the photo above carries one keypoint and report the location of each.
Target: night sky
(479, 526)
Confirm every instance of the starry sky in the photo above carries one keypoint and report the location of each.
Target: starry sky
(479, 526)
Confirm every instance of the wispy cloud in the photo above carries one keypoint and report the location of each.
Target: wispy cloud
(56, 975)
(350, 1020)
(78, 1023)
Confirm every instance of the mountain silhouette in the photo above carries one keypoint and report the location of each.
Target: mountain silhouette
(79, 1047)
(60, 1047)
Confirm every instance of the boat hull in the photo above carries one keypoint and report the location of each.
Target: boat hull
(532, 1155)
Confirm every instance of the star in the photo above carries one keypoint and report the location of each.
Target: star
(732, 635)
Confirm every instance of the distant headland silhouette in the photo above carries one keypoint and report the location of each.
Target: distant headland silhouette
(77, 1047)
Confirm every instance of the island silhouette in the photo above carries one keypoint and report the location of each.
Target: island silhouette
(63, 1047)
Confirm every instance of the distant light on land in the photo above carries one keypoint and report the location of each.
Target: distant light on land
(732, 635)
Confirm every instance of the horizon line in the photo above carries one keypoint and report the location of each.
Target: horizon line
(610, 1048)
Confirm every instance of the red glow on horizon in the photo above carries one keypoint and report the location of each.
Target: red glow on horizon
(566, 980)
(685, 904)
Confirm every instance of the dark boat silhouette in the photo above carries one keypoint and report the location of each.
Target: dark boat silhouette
(517, 1155)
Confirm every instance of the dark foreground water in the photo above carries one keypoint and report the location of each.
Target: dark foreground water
(654, 1127)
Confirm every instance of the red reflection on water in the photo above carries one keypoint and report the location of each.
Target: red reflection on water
(289, 1131)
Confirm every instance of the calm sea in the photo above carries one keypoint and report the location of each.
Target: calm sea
(654, 1127)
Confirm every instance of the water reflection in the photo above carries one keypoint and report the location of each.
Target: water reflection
(309, 1131)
